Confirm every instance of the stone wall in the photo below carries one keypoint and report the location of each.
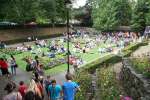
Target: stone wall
(20, 33)
(135, 85)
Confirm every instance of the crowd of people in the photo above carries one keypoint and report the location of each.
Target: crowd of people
(39, 86)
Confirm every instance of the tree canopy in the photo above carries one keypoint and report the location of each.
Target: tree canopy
(40, 11)
(108, 15)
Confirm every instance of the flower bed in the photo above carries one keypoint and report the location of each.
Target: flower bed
(107, 84)
(142, 66)
(84, 80)
(10, 51)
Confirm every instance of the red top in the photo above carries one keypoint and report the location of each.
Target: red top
(40, 87)
(22, 89)
(3, 64)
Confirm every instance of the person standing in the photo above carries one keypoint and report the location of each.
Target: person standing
(22, 88)
(33, 92)
(4, 67)
(40, 87)
(35, 63)
(11, 94)
(13, 65)
(54, 91)
(47, 82)
(69, 88)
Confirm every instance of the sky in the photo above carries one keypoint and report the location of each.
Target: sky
(79, 3)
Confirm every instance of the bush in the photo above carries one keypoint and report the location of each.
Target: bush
(84, 80)
(142, 66)
(107, 84)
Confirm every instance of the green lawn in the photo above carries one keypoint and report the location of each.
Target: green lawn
(87, 57)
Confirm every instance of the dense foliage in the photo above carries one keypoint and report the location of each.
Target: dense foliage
(142, 66)
(108, 15)
(139, 15)
(84, 80)
(23, 11)
(107, 84)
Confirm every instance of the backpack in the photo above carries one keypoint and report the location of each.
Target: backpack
(28, 67)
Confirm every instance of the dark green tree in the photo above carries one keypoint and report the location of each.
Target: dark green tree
(104, 15)
(138, 22)
(49, 9)
(124, 11)
(21, 10)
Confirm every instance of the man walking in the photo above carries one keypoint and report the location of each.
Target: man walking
(69, 88)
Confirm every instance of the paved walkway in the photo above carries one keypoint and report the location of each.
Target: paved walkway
(3, 82)
(22, 76)
(26, 76)
(142, 50)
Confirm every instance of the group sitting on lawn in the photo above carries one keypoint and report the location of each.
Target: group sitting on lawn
(56, 52)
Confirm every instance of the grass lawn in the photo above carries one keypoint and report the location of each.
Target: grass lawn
(87, 57)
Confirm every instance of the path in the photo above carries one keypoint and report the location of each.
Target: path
(142, 50)
(3, 82)
(22, 76)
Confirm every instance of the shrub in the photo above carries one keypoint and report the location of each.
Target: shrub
(142, 66)
(84, 80)
(107, 84)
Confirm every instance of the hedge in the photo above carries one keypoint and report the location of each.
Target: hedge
(92, 66)
(111, 59)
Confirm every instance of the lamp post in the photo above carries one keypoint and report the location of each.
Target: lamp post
(67, 4)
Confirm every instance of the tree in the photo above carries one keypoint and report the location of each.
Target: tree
(124, 11)
(138, 22)
(104, 15)
(108, 15)
(49, 9)
(23, 11)
(148, 14)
